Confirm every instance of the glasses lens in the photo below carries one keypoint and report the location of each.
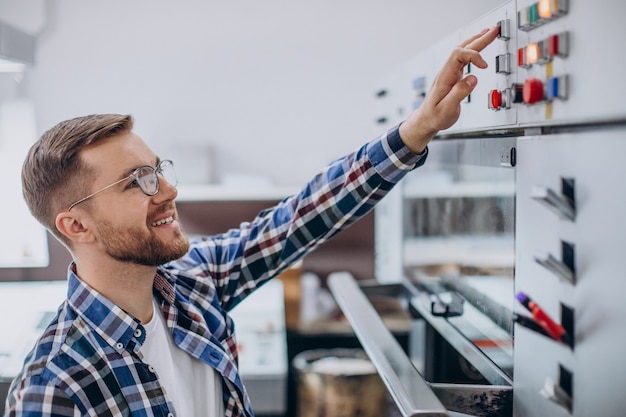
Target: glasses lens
(166, 168)
(147, 180)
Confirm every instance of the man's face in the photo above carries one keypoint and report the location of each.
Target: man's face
(131, 226)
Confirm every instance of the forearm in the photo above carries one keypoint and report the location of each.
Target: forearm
(338, 196)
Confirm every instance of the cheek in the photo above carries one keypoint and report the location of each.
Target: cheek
(130, 211)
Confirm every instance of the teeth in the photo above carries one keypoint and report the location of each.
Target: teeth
(163, 221)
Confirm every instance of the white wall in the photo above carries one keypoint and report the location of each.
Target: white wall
(277, 87)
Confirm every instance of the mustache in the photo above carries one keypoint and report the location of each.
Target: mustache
(171, 206)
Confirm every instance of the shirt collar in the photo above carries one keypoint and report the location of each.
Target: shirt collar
(110, 322)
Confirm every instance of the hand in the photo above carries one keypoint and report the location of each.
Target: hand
(442, 105)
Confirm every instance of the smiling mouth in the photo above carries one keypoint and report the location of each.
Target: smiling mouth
(161, 222)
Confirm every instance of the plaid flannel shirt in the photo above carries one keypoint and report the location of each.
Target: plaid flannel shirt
(88, 362)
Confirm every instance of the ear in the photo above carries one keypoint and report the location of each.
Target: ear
(73, 226)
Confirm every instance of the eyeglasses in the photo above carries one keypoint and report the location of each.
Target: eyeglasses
(145, 177)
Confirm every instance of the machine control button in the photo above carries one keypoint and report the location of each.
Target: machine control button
(533, 91)
(556, 87)
(517, 93)
(559, 7)
(553, 45)
(522, 60)
(552, 88)
(495, 99)
(505, 29)
(544, 8)
(533, 53)
(557, 45)
(523, 19)
(533, 14)
(542, 56)
(499, 99)
(503, 64)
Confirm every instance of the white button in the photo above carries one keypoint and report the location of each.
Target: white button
(119, 346)
(151, 368)
(170, 414)
(137, 332)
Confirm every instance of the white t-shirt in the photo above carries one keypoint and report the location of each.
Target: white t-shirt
(194, 387)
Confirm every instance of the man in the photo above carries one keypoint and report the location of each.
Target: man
(144, 330)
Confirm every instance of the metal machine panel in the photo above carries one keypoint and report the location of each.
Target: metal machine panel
(588, 303)
(563, 69)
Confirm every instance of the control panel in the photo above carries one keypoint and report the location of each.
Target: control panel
(552, 64)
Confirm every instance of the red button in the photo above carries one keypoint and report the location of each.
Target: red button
(496, 99)
(553, 45)
(533, 91)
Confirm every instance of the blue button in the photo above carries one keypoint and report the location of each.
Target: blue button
(552, 88)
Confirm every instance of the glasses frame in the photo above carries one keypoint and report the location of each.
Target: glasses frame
(134, 176)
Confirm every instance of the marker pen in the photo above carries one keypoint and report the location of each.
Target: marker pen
(554, 330)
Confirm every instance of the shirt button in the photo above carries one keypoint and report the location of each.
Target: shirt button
(151, 368)
(170, 414)
(138, 333)
(120, 346)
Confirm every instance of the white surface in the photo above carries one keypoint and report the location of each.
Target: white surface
(262, 343)
(261, 335)
(23, 241)
(26, 309)
(280, 88)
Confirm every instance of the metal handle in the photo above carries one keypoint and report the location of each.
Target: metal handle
(556, 394)
(565, 267)
(555, 266)
(409, 390)
(563, 204)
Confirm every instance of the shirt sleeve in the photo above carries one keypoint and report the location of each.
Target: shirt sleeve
(392, 158)
(241, 259)
(39, 398)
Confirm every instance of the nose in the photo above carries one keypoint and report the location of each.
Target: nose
(166, 192)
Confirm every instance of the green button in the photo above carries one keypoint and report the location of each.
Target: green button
(533, 13)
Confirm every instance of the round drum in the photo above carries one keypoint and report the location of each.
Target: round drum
(339, 383)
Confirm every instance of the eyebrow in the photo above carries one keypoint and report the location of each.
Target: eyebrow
(131, 170)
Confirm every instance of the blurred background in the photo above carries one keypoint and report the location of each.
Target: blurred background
(275, 89)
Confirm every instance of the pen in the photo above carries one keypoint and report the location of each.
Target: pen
(529, 323)
(554, 330)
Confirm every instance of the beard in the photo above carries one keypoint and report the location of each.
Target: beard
(137, 245)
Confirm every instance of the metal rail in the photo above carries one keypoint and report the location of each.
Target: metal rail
(411, 393)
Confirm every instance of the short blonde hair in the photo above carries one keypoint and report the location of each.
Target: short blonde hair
(53, 174)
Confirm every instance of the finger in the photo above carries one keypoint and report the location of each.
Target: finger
(459, 92)
(478, 43)
(466, 56)
(473, 38)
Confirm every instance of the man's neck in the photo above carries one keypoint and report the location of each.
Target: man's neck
(129, 286)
